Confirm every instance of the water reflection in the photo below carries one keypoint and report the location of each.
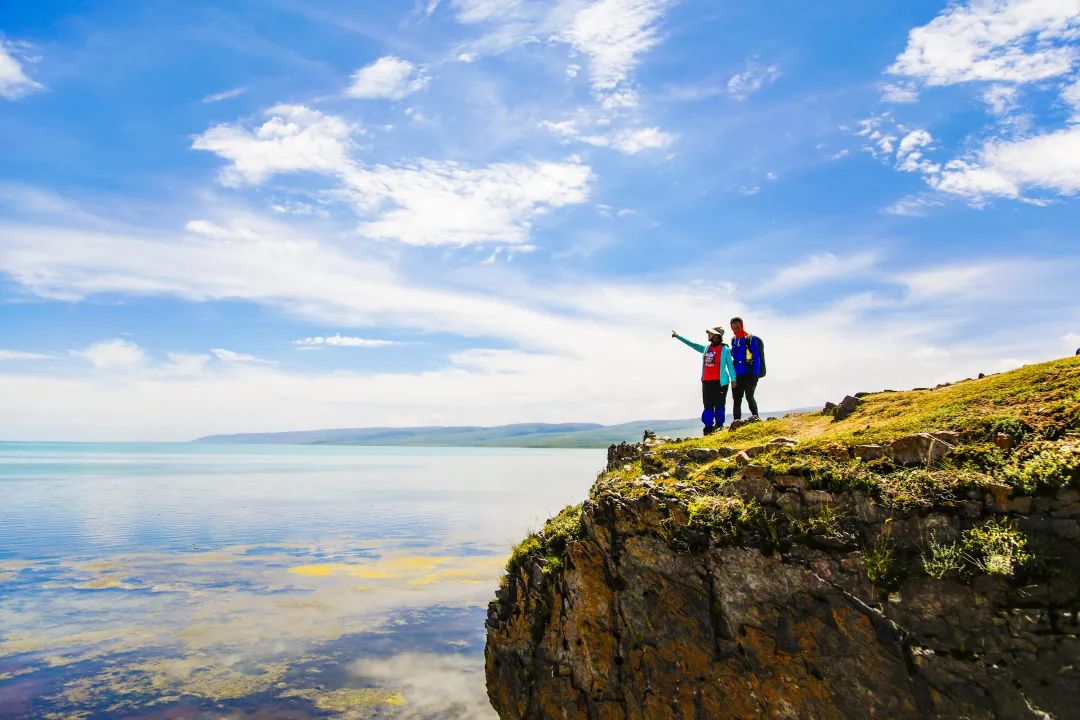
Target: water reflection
(330, 618)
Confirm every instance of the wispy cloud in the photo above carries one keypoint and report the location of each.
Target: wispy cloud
(338, 340)
(14, 82)
(752, 78)
(629, 141)
(22, 355)
(224, 95)
(817, 269)
(233, 357)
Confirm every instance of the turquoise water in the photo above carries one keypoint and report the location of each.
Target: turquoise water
(197, 581)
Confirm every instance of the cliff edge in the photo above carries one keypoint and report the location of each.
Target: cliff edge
(902, 554)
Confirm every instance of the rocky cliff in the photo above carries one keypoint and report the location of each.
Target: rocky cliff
(918, 557)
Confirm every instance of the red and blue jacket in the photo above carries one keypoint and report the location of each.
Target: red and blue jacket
(715, 361)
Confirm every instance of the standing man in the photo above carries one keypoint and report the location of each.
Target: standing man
(748, 355)
(716, 373)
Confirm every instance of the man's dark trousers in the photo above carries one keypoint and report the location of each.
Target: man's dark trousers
(745, 385)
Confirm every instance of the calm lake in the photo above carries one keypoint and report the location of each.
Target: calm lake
(209, 581)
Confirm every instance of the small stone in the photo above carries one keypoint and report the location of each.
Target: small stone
(753, 471)
(702, 455)
(791, 481)
(817, 497)
(997, 496)
(869, 452)
(1066, 528)
(742, 458)
(1005, 441)
(789, 502)
(754, 451)
(1021, 504)
(837, 452)
(971, 509)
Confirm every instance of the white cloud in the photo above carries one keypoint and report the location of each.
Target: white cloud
(22, 355)
(899, 93)
(1000, 99)
(1071, 96)
(232, 357)
(909, 155)
(224, 95)
(14, 82)
(117, 354)
(446, 203)
(218, 232)
(995, 40)
(388, 77)
(1008, 168)
(1072, 340)
(426, 202)
(753, 77)
(613, 34)
(629, 141)
(294, 139)
(338, 340)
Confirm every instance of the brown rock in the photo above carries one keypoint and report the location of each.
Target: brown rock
(920, 448)
(633, 628)
(869, 452)
(846, 407)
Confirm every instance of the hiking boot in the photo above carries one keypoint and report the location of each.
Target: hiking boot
(707, 431)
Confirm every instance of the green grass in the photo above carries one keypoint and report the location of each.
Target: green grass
(1035, 399)
(1037, 406)
(995, 548)
(550, 544)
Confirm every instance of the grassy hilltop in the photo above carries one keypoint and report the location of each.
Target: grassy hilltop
(1008, 437)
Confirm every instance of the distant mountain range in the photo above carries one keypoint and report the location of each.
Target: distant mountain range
(530, 435)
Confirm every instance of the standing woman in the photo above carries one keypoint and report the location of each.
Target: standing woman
(717, 372)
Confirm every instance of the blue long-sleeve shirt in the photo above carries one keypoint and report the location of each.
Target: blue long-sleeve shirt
(727, 370)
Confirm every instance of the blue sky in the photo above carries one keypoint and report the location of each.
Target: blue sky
(278, 215)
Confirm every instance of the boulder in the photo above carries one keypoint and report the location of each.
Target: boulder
(847, 406)
(919, 449)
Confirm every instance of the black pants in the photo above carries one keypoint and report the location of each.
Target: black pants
(714, 398)
(745, 385)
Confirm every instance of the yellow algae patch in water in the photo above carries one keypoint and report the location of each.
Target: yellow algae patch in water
(418, 562)
(346, 699)
(460, 575)
(320, 569)
(150, 681)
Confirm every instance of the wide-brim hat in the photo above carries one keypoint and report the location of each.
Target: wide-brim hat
(716, 331)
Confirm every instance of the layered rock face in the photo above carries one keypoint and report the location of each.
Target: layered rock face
(892, 579)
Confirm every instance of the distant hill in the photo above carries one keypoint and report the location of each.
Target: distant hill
(533, 435)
